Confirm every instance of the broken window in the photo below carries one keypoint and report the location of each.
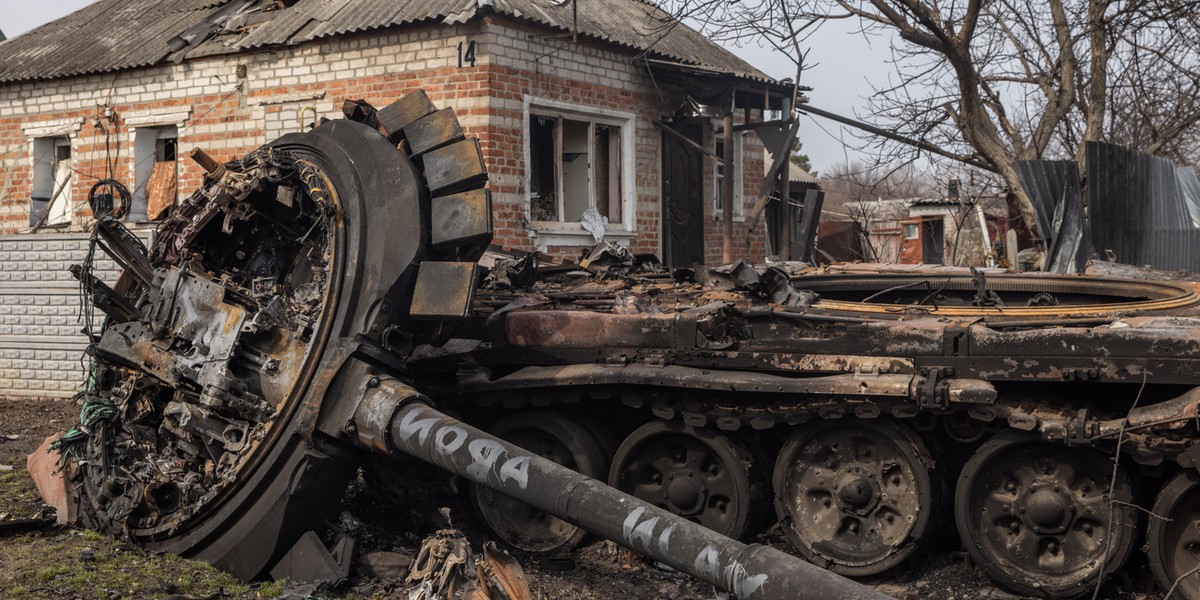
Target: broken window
(154, 171)
(50, 196)
(719, 171)
(574, 164)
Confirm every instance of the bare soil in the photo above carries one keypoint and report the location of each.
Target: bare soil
(62, 562)
(55, 562)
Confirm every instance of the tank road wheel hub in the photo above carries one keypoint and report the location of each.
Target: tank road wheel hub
(1174, 540)
(858, 491)
(1041, 517)
(855, 495)
(691, 472)
(1046, 509)
(552, 436)
(685, 493)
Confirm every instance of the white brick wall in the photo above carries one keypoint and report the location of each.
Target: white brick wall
(41, 347)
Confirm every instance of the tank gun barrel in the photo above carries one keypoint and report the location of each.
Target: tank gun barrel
(746, 571)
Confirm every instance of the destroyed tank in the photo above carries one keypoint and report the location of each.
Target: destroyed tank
(322, 300)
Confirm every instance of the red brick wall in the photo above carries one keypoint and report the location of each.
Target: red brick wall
(231, 116)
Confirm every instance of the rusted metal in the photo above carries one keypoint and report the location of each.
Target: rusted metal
(433, 131)
(373, 417)
(1024, 503)
(444, 290)
(208, 163)
(1169, 541)
(455, 167)
(674, 376)
(461, 219)
(840, 483)
(399, 114)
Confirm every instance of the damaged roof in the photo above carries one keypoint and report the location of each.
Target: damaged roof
(114, 35)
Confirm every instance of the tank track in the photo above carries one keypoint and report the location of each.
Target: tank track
(940, 420)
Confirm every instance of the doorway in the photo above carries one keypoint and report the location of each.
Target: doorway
(683, 197)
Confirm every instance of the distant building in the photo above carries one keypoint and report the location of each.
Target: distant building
(932, 231)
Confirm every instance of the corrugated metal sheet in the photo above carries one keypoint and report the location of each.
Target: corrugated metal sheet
(1053, 187)
(106, 36)
(797, 174)
(1143, 208)
(122, 34)
(638, 25)
(364, 15)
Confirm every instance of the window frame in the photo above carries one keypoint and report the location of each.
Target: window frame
(47, 149)
(144, 165)
(739, 174)
(41, 130)
(593, 116)
(158, 118)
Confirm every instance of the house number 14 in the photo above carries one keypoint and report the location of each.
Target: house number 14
(466, 54)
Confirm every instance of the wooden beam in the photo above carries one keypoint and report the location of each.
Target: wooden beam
(761, 124)
(785, 232)
(727, 193)
(891, 135)
(764, 194)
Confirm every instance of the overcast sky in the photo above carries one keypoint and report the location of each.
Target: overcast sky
(844, 66)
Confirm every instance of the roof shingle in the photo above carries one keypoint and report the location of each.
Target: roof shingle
(113, 35)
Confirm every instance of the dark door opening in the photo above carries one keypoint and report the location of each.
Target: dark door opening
(933, 242)
(683, 197)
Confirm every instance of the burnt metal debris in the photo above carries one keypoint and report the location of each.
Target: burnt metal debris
(313, 304)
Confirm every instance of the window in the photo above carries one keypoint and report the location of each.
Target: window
(50, 196)
(154, 171)
(719, 171)
(911, 231)
(575, 163)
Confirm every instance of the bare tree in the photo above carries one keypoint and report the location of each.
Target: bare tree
(1005, 80)
(1013, 80)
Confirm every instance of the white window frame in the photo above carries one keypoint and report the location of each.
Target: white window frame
(173, 116)
(739, 175)
(60, 210)
(143, 166)
(571, 233)
(67, 129)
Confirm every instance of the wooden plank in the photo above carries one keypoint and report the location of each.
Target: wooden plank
(160, 190)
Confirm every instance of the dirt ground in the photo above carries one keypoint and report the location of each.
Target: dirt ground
(53, 562)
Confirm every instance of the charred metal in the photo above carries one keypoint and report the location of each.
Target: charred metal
(323, 299)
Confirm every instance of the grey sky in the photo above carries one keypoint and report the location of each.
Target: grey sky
(19, 16)
(844, 67)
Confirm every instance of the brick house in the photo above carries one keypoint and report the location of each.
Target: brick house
(577, 105)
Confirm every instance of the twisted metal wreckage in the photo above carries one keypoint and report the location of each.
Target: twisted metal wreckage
(320, 300)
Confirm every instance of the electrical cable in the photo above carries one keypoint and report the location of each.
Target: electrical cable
(102, 203)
